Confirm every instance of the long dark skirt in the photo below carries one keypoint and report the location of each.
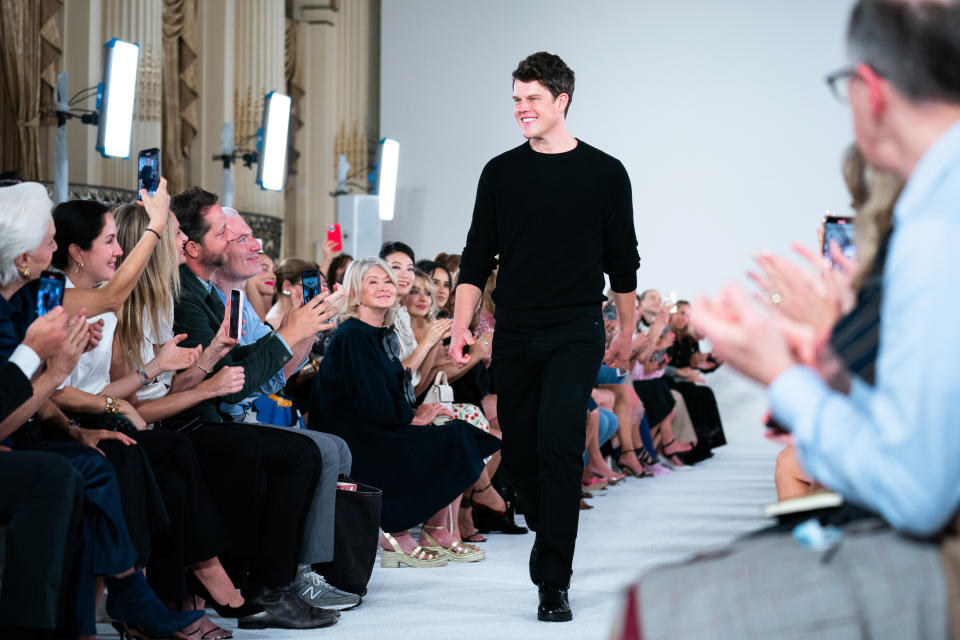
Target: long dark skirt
(704, 413)
(656, 398)
(420, 470)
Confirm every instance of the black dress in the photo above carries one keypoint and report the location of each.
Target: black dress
(360, 394)
(700, 400)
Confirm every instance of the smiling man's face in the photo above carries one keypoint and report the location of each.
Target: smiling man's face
(243, 254)
(535, 108)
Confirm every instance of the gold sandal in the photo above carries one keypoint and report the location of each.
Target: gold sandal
(419, 558)
(456, 552)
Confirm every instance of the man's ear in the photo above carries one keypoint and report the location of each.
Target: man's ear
(192, 249)
(562, 101)
(877, 88)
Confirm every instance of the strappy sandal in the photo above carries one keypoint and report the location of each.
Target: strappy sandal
(457, 551)
(419, 558)
(477, 505)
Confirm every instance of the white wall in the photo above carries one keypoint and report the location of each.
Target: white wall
(718, 110)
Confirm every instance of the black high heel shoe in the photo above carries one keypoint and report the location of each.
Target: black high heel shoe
(223, 610)
(487, 521)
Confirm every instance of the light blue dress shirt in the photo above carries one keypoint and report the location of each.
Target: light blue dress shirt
(253, 329)
(895, 447)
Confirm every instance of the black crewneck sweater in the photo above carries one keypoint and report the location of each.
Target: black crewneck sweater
(557, 222)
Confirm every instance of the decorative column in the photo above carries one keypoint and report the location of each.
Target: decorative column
(259, 68)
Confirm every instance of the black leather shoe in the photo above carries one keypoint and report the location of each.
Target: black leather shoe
(285, 610)
(554, 605)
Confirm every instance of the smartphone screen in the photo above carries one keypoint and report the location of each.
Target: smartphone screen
(148, 171)
(333, 235)
(840, 230)
(311, 284)
(236, 313)
(50, 293)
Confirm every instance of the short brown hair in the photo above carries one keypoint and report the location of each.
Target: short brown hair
(550, 71)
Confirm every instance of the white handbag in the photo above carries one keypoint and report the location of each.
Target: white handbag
(440, 392)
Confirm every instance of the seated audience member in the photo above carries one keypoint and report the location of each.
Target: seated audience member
(601, 427)
(418, 358)
(853, 337)
(684, 375)
(269, 538)
(420, 306)
(338, 266)
(451, 261)
(443, 286)
(240, 264)
(889, 447)
(485, 319)
(88, 235)
(259, 288)
(363, 394)
(26, 247)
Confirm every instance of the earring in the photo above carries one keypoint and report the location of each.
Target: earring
(26, 272)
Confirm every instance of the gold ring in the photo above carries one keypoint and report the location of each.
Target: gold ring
(776, 298)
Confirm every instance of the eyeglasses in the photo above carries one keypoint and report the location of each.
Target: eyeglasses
(839, 83)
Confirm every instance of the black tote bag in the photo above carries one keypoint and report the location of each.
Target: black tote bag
(355, 538)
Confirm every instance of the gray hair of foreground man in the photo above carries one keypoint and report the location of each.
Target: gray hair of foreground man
(914, 45)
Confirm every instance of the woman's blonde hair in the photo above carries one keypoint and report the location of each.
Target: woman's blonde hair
(353, 284)
(156, 289)
(875, 194)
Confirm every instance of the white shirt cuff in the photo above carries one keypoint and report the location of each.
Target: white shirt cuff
(25, 358)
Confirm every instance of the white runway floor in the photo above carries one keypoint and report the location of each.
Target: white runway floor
(634, 526)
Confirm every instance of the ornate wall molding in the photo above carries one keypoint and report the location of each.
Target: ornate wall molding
(269, 230)
(109, 196)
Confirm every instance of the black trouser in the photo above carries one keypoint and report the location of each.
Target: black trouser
(196, 532)
(543, 376)
(41, 506)
(262, 480)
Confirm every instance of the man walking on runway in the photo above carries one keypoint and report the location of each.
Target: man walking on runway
(555, 213)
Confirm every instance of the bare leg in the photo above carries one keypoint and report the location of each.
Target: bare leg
(442, 519)
(596, 467)
(622, 407)
(215, 579)
(791, 481)
(483, 494)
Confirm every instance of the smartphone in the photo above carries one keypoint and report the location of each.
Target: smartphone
(148, 171)
(236, 313)
(50, 293)
(333, 235)
(839, 229)
(310, 279)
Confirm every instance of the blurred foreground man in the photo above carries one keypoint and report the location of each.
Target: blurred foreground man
(891, 448)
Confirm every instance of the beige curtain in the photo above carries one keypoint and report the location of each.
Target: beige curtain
(179, 88)
(20, 44)
(51, 50)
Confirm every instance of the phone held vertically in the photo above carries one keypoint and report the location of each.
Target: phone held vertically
(236, 313)
(148, 171)
(50, 292)
(311, 284)
(839, 229)
(334, 236)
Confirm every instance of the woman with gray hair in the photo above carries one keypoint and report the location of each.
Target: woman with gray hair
(363, 394)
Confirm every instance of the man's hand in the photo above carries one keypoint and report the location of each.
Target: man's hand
(221, 344)
(46, 334)
(748, 341)
(426, 413)
(460, 337)
(311, 318)
(618, 355)
(224, 382)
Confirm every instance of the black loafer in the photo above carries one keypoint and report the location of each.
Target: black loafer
(554, 605)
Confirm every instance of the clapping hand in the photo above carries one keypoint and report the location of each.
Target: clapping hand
(173, 357)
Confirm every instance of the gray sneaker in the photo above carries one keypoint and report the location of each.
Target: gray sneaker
(317, 592)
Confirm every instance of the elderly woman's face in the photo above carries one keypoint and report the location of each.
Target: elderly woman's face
(39, 259)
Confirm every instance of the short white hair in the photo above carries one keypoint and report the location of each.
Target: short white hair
(230, 212)
(353, 284)
(24, 219)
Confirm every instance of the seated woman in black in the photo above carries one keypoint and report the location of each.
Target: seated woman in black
(363, 395)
